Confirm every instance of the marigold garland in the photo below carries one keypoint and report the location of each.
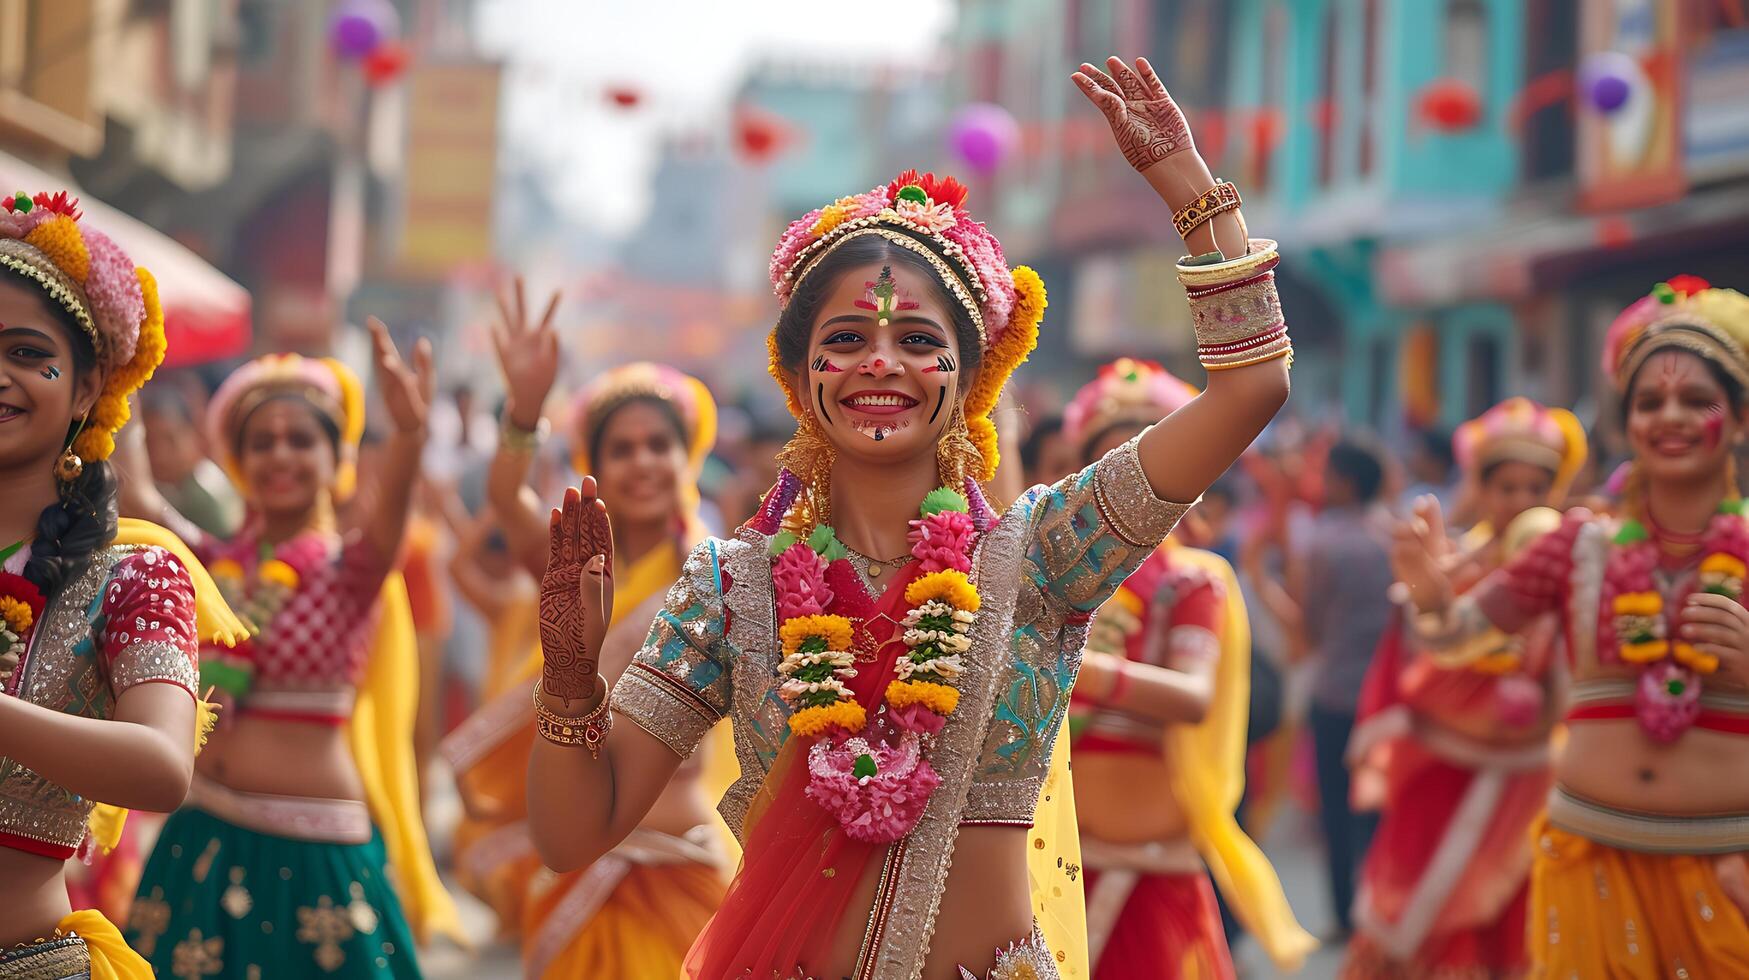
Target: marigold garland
(949, 586)
(60, 240)
(16, 614)
(813, 722)
(939, 698)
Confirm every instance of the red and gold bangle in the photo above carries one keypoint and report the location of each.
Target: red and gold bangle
(1222, 197)
(589, 730)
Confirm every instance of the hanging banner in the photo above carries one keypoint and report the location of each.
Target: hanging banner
(451, 168)
(1630, 104)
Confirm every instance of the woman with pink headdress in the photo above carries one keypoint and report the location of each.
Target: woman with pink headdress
(1159, 720)
(1458, 758)
(896, 651)
(300, 850)
(1637, 867)
(644, 430)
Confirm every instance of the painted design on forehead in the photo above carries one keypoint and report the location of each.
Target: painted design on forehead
(884, 297)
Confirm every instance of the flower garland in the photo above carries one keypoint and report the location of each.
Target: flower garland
(21, 605)
(1667, 698)
(257, 600)
(876, 787)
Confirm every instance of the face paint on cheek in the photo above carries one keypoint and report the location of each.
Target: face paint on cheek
(820, 397)
(823, 366)
(944, 364)
(1714, 426)
(51, 373)
(940, 400)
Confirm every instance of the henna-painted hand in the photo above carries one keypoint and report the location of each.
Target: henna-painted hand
(576, 597)
(1147, 124)
(406, 391)
(1719, 625)
(528, 356)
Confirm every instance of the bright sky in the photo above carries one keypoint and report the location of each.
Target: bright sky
(685, 57)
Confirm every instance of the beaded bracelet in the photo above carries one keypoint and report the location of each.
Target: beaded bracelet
(1220, 198)
(516, 439)
(589, 730)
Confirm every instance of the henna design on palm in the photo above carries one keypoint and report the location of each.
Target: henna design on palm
(1147, 124)
(574, 600)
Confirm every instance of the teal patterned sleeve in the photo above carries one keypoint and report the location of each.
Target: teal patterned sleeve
(678, 685)
(1095, 527)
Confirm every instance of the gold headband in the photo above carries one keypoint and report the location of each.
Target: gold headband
(878, 225)
(254, 398)
(27, 260)
(1519, 450)
(1683, 331)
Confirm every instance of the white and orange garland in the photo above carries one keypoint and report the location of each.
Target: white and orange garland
(876, 786)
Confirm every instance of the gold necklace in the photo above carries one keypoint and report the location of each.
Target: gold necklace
(873, 568)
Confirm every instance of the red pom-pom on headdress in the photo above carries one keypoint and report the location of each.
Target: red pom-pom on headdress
(60, 203)
(1687, 285)
(941, 190)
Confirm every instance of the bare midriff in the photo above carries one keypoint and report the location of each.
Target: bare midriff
(253, 754)
(1124, 798)
(1614, 763)
(34, 890)
(986, 906)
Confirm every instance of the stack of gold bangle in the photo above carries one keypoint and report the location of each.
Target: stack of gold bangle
(589, 730)
(1235, 310)
(519, 440)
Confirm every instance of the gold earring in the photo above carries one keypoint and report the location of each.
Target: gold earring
(955, 455)
(69, 466)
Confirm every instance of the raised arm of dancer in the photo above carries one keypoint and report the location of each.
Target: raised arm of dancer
(581, 804)
(528, 359)
(1189, 449)
(406, 393)
(137, 493)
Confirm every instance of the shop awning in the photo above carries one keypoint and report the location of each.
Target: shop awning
(206, 314)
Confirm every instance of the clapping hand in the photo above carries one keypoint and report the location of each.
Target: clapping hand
(576, 600)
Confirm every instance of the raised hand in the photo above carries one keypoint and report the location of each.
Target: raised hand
(406, 392)
(1420, 552)
(528, 356)
(576, 598)
(1147, 124)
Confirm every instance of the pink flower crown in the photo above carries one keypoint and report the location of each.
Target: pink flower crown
(1127, 389)
(1685, 312)
(325, 384)
(1521, 430)
(924, 208)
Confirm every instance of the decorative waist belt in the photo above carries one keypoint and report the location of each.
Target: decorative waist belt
(332, 707)
(1175, 857)
(1031, 957)
(1647, 832)
(1612, 698)
(61, 958)
(298, 817)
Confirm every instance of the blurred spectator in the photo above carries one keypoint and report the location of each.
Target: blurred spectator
(1340, 576)
(1045, 454)
(185, 475)
(1432, 469)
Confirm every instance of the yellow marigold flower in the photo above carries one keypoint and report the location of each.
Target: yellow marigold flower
(278, 573)
(1645, 653)
(59, 239)
(834, 215)
(939, 698)
(835, 629)
(950, 586)
(1700, 663)
(1495, 664)
(1720, 563)
(1638, 604)
(16, 613)
(224, 568)
(816, 721)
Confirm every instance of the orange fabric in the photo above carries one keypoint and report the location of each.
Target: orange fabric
(1609, 914)
(643, 930)
(426, 593)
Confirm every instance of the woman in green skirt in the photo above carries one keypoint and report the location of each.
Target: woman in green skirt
(277, 864)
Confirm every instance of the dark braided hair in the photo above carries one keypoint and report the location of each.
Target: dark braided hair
(70, 531)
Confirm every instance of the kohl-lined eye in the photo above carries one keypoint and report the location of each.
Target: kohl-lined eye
(843, 337)
(30, 353)
(923, 340)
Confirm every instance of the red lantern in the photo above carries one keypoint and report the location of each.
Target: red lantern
(1449, 105)
(386, 63)
(759, 135)
(624, 97)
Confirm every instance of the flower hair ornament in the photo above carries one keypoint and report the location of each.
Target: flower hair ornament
(926, 215)
(114, 303)
(1125, 391)
(1684, 312)
(326, 385)
(1520, 430)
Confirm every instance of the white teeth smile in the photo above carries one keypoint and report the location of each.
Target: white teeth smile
(880, 401)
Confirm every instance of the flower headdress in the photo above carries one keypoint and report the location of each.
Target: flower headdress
(1685, 312)
(1126, 390)
(94, 281)
(926, 214)
(326, 385)
(1520, 430)
(644, 379)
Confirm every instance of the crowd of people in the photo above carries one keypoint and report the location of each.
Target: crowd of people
(805, 704)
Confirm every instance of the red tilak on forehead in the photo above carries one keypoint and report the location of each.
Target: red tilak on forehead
(884, 296)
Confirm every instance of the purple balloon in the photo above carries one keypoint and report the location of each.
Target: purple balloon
(983, 135)
(1608, 78)
(359, 26)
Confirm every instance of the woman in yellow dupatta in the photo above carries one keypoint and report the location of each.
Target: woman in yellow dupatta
(646, 430)
(1159, 722)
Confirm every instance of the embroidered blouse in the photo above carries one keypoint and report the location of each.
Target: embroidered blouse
(1043, 569)
(128, 619)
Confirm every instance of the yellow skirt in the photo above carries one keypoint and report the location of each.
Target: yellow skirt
(1603, 913)
(641, 931)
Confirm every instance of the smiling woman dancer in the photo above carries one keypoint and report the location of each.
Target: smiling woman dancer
(644, 430)
(896, 654)
(1459, 757)
(1159, 716)
(99, 635)
(1638, 867)
(280, 859)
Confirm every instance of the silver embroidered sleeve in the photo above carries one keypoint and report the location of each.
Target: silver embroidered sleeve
(1127, 502)
(679, 684)
(152, 660)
